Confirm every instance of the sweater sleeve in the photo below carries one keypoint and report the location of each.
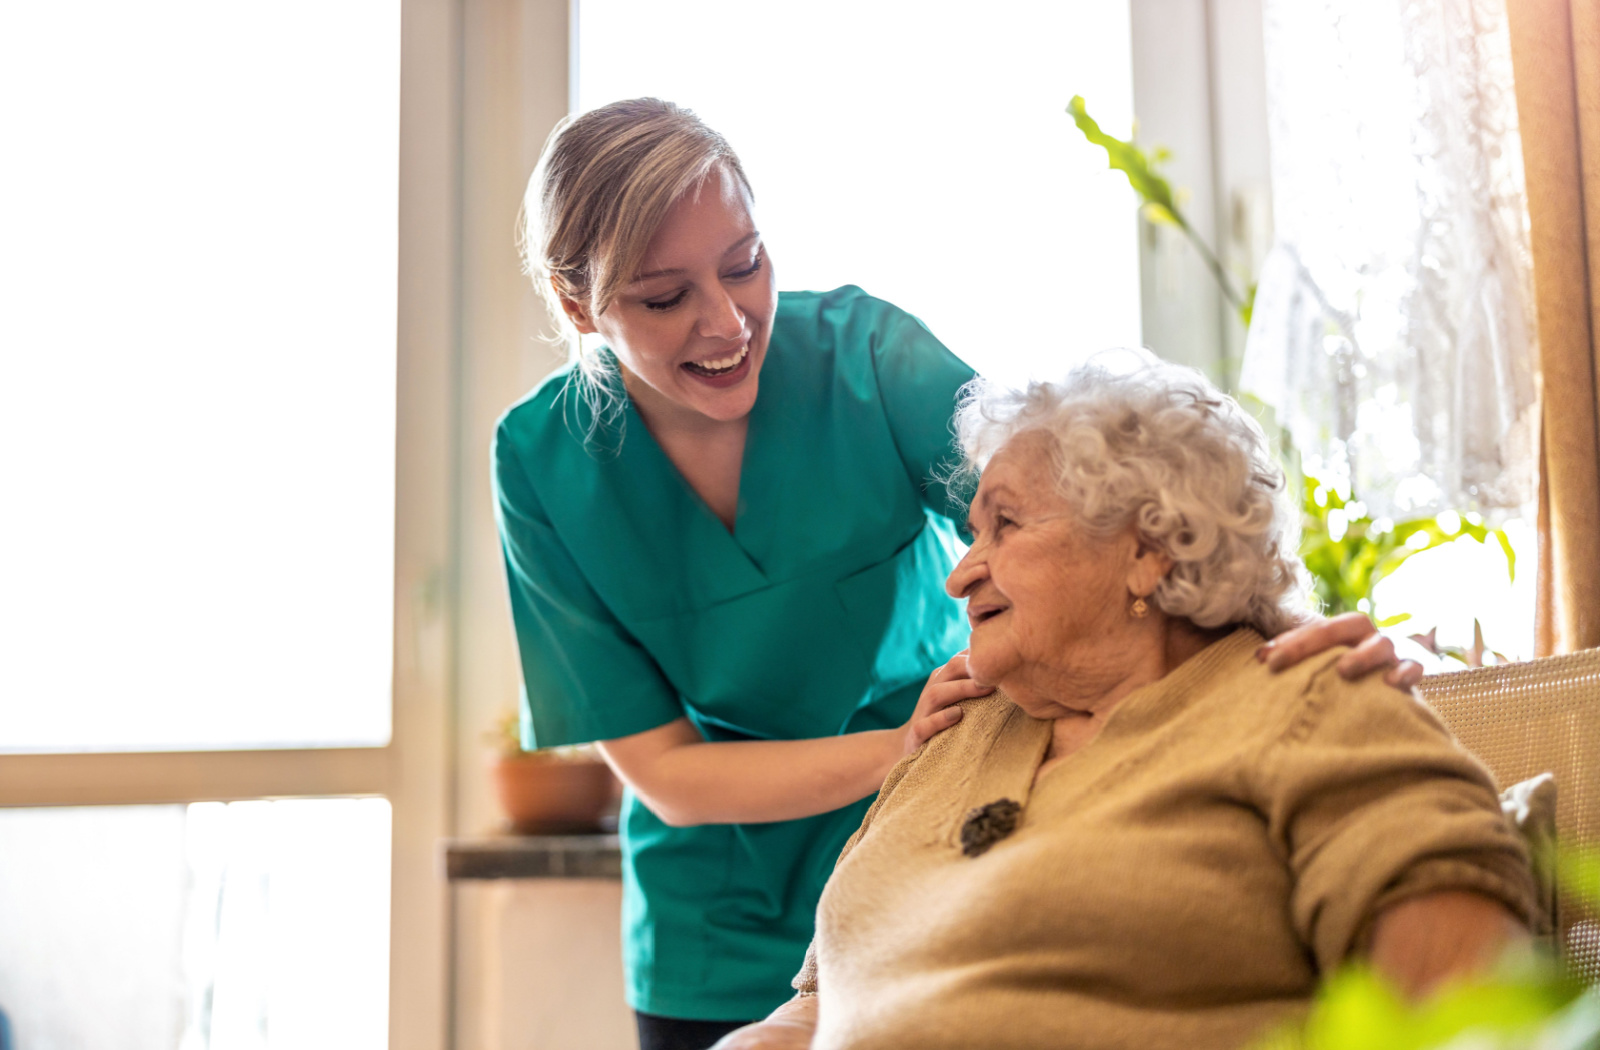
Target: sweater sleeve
(1371, 801)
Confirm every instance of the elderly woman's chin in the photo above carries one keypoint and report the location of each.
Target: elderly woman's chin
(990, 658)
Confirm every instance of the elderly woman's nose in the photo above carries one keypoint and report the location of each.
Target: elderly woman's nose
(721, 318)
(965, 576)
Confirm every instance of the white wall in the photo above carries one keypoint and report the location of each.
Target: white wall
(1199, 89)
(537, 963)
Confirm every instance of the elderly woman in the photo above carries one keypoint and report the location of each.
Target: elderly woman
(1144, 839)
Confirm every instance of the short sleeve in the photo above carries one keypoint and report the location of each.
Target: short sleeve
(1370, 800)
(584, 676)
(919, 382)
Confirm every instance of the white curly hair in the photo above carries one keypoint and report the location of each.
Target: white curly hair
(1139, 440)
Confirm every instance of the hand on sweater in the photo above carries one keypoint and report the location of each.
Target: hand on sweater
(936, 708)
(790, 1027)
(1369, 650)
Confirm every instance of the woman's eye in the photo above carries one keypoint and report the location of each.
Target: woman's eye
(750, 271)
(665, 304)
(1001, 522)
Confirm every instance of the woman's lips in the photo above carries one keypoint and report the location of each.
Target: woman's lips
(719, 366)
(727, 374)
(977, 614)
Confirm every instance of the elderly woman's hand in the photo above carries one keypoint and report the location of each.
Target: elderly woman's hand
(1370, 651)
(790, 1027)
(936, 708)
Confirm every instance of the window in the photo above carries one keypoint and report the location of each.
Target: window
(921, 151)
(215, 412)
(197, 396)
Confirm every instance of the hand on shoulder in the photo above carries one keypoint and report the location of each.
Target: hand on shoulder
(1369, 650)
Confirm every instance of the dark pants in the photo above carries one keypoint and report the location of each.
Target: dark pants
(671, 1033)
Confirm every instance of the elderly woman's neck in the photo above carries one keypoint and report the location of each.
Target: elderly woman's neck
(1080, 695)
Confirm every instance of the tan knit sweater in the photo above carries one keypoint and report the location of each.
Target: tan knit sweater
(1180, 882)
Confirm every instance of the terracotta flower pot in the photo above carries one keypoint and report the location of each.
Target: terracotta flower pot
(546, 796)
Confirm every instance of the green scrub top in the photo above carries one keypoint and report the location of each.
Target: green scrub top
(822, 612)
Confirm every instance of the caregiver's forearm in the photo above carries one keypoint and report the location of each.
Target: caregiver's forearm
(686, 780)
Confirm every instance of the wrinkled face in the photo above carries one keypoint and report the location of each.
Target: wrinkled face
(1041, 592)
(691, 329)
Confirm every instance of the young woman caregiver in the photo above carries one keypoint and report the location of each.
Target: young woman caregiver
(730, 572)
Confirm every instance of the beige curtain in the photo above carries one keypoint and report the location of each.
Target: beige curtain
(1555, 50)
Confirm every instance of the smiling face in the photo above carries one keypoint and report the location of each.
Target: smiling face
(1048, 602)
(690, 330)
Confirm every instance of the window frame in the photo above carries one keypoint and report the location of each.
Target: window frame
(413, 771)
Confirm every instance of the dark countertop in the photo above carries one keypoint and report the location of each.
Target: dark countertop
(594, 856)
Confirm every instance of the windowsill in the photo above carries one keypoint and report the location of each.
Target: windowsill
(593, 856)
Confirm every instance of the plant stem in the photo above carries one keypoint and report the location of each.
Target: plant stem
(1214, 264)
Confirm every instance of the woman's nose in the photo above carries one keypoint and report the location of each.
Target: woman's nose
(965, 576)
(722, 318)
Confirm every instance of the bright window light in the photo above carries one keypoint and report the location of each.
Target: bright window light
(239, 926)
(919, 150)
(197, 372)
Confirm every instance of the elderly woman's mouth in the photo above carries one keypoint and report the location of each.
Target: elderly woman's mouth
(977, 614)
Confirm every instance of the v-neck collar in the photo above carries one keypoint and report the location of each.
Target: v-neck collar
(641, 452)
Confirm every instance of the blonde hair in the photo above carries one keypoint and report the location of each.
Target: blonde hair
(603, 185)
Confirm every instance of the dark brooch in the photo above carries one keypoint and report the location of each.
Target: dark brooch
(987, 825)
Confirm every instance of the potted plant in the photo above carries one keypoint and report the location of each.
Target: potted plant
(554, 790)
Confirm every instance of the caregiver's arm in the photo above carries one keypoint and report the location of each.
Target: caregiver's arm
(1370, 651)
(1420, 943)
(789, 1027)
(687, 780)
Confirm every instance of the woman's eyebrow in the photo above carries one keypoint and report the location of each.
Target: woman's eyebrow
(672, 271)
(742, 241)
(658, 273)
(989, 497)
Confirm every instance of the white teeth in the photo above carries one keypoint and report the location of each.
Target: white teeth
(724, 363)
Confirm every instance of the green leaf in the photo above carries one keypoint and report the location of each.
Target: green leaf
(1527, 1001)
(1129, 159)
(1358, 1009)
(1510, 553)
(1159, 214)
(1579, 873)
(1391, 621)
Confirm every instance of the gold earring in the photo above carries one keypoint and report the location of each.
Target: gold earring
(1140, 609)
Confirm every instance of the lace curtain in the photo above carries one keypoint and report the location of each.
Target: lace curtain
(1393, 321)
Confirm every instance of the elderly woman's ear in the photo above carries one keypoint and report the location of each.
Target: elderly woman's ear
(1148, 568)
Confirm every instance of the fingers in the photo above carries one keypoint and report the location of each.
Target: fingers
(934, 724)
(940, 695)
(1371, 651)
(1294, 645)
(1373, 654)
(1408, 675)
(954, 668)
